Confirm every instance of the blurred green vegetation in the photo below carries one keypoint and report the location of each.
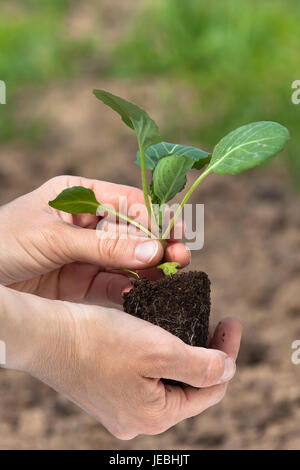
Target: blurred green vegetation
(239, 57)
(35, 49)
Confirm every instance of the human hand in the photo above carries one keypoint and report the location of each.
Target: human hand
(110, 363)
(59, 256)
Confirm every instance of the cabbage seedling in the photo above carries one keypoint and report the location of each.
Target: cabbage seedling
(180, 303)
(240, 150)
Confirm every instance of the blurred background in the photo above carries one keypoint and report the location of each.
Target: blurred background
(200, 69)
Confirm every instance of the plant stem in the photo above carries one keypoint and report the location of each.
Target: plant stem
(130, 221)
(144, 183)
(130, 272)
(185, 199)
(160, 219)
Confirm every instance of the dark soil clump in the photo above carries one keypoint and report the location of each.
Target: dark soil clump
(179, 303)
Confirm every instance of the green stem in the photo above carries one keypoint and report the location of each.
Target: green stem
(130, 272)
(163, 242)
(130, 221)
(144, 183)
(160, 219)
(184, 201)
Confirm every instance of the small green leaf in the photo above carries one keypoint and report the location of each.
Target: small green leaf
(156, 152)
(76, 200)
(133, 116)
(169, 176)
(79, 200)
(169, 268)
(248, 146)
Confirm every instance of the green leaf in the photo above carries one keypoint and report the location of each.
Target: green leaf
(169, 268)
(156, 152)
(79, 200)
(247, 147)
(169, 176)
(76, 200)
(135, 118)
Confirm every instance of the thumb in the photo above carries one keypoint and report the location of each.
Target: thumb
(93, 247)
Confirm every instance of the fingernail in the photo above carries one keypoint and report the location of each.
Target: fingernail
(229, 370)
(146, 251)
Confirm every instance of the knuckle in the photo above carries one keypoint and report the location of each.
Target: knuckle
(57, 180)
(61, 182)
(153, 426)
(168, 347)
(161, 356)
(153, 418)
(165, 351)
(52, 231)
(108, 248)
(54, 237)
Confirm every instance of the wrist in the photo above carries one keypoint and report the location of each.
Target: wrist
(30, 327)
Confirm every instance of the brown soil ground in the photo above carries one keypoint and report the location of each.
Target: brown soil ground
(251, 254)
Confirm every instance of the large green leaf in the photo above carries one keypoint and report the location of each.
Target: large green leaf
(248, 146)
(137, 119)
(76, 200)
(169, 176)
(156, 152)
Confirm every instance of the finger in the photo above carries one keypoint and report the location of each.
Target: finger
(109, 225)
(189, 401)
(125, 199)
(153, 274)
(177, 252)
(108, 287)
(198, 367)
(227, 337)
(121, 197)
(185, 402)
(85, 220)
(79, 282)
(105, 192)
(93, 247)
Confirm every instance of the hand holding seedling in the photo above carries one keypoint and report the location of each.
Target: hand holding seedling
(58, 255)
(180, 303)
(109, 363)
